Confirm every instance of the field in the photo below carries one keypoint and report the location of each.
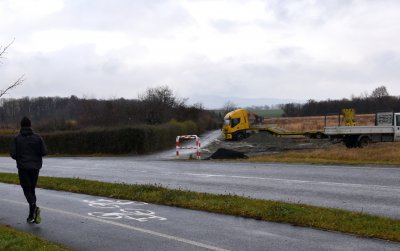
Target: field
(8, 131)
(376, 154)
(271, 113)
(315, 122)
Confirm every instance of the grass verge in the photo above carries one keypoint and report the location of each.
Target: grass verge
(11, 239)
(375, 154)
(296, 214)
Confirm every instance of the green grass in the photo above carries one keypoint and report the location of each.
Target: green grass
(296, 214)
(11, 239)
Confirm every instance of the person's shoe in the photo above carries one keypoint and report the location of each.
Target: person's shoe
(37, 218)
(30, 220)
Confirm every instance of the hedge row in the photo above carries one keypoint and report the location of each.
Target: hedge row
(128, 140)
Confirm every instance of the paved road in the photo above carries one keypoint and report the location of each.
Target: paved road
(374, 190)
(94, 223)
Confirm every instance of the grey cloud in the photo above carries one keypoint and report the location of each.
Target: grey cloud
(384, 68)
(225, 26)
(79, 71)
(388, 60)
(294, 75)
(316, 79)
(313, 79)
(291, 53)
(312, 12)
(145, 17)
(112, 66)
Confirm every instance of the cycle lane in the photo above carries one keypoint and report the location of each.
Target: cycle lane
(88, 222)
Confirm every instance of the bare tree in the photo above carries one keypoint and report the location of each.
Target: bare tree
(229, 106)
(160, 96)
(3, 52)
(380, 92)
(160, 104)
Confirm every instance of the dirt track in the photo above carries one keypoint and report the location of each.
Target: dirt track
(264, 143)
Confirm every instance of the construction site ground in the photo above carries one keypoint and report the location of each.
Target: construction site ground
(264, 143)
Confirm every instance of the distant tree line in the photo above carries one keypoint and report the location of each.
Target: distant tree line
(378, 101)
(156, 106)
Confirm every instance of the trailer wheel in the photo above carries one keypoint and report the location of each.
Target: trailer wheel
(350, 142)
(363, 142)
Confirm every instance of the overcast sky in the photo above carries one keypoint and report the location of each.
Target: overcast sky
(282, 49)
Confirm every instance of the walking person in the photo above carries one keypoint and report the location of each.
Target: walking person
(27, 149)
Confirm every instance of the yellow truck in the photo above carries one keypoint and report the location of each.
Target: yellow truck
(240, 123)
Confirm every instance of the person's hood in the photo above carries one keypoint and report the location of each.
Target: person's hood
(25, 131)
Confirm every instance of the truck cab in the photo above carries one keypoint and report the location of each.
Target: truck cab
(389, 119)
(235, 124)
(397, 127)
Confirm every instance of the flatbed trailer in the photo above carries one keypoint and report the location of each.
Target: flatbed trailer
(240, 123)
(273, 131)
(387, 129)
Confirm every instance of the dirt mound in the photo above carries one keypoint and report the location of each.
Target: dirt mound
(223, 153)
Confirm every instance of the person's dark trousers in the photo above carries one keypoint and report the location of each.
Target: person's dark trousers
(28, 180)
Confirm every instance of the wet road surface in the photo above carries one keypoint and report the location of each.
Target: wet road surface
(93, 223)
(374, 190)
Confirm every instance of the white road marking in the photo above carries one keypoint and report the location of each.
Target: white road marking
(142, 215)
(142, 230)
(353, 185)
(294, 181)
(209, 175)
(109, 203)
(124, 213)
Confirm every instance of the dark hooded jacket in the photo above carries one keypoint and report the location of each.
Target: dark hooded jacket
(27, 149)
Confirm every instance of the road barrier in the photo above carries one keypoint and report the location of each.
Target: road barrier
(197, 147)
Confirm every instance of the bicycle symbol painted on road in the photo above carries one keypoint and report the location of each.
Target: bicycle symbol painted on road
(102, 203)
(130, 214)
(138, 214)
